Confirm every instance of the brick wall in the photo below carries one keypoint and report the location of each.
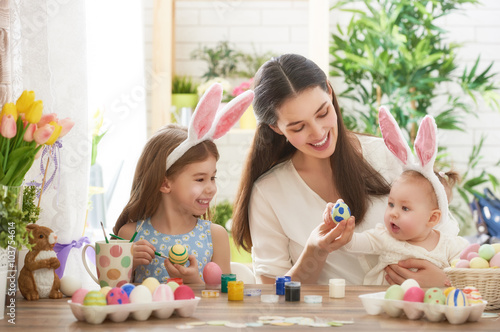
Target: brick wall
(281, 26)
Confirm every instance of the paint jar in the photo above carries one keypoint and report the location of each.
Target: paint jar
(179, 281)
(280, 284)
(235, 290)
(292, 291)
(224, 279)
(337, 288)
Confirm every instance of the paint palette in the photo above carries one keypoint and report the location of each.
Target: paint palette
(139, 311)
(375, 304)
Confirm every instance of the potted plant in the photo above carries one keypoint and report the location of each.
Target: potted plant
(184, 94)
(395, 53)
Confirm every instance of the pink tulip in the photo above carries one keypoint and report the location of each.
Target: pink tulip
(66, 125)
(8, 128)
(28, 135)
(42, 134)
(46, 119)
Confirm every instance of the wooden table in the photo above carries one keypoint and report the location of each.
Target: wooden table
(55, 315)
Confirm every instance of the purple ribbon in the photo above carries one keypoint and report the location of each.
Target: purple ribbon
(62, 251)
(52, 151)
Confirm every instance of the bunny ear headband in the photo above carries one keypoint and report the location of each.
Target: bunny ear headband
(207, 123)
(425, 149)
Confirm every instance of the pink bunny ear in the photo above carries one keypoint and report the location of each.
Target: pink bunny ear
(204, 114)
(392, 135)
(426, 141)
(230, 114)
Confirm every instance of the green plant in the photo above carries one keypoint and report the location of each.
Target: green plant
(222, 60)
(30, 209)
(183, 84)
(394, 52)
(13, 222)
(222, 213)
(251, 62)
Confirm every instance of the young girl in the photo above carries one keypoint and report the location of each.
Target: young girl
(173, 186)
(417, 203)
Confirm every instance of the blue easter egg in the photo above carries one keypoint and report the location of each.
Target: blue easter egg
(128, 288)
(340, 212)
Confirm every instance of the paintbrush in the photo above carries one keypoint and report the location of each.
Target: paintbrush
(104, 232)
(137, 231)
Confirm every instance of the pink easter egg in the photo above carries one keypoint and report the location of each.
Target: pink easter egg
(462, 264)
(116, 251)
(163, 293)
(183, 292)
(495, 260)
(79, 295)
(470, 248)
(212, 274)
(117, 296)
(471, 255)
(414, 294)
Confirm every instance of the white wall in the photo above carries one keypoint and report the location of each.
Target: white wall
(282, 26)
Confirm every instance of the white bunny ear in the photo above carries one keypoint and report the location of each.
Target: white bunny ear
(230, 114)
(205, 111)
(393, 137)
(426, 142)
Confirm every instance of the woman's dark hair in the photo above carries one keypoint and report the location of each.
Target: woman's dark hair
(276, 81)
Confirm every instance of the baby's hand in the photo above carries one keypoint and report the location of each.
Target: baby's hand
(143, 253)
(188, 274)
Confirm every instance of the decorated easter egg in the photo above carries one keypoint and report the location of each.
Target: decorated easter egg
(69, 285)
(474, 247)
(163, 293)
(94, 298)
(409, 283)
(141, 294)
(496, 246)
(473, 295)
(395, 292)
(456, 298)
(173, 285)
(105, 290)
(117, 296)
(471, 255)
(495, 260)
(128, 288)
(479, 263)
(448, 290)
(212, 274)
(183, 292)
(178, 254)
(414, 294)
(340, 212)
(434, 296)
(454, 262)
(79, 295)
(462, 264)
(486, 251)
(151, 283)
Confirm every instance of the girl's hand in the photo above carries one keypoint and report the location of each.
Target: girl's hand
(427, 274)
(188, 274)
(143, 253)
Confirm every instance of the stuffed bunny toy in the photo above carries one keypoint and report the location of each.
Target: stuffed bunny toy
(209, 122)
(425, 149)
(38, 278)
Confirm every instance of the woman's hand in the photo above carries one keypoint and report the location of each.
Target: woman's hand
(189, 274)
(143, 253)
(427, 274)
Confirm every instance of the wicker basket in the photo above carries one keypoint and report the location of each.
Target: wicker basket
(487, 282)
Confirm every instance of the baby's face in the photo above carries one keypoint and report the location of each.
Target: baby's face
(409, 209)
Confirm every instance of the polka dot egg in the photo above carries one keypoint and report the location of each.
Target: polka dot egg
(178, 254)
(434, 296)
(94, 298)
(117, 296)
(340, 212)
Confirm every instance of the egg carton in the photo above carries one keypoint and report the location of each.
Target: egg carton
(138, 311)
(375, 304)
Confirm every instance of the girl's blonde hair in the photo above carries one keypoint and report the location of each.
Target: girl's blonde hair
(150, 172)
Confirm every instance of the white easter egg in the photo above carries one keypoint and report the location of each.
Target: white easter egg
(69, 285)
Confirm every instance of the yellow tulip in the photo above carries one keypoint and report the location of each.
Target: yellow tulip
(55, 134)
(9, 109)
(24, 102)
(34, 113)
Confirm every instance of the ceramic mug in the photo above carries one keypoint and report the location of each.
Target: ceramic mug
(113, 262)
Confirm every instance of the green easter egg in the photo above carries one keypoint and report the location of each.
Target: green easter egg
(486, 251)
(434, 296)
(395, 292)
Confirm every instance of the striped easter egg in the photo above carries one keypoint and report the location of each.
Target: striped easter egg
(178, 254)
(457, 298)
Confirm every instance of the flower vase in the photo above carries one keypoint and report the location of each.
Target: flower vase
(247, 120)
(8, 255)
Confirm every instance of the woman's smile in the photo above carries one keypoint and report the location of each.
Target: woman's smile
(323, 144)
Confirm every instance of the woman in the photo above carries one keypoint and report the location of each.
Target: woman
(301, 158)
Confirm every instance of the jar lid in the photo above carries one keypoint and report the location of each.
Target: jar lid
(313, 299)
(269, 298)
(292, 284)
(337, 281)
